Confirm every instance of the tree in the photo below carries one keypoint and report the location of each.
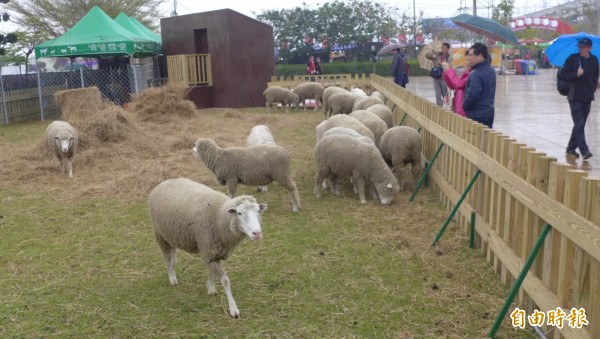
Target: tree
(503, 11)
(6, 38)
(23, 48)
(54, 18)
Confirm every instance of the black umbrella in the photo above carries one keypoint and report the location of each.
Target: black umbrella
(487, 27)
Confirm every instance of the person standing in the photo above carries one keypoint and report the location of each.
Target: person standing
(457, 84)
(399, 68)
(480, 93)
(318, 66)
(310, 66)
(439, 85)
(582, 70)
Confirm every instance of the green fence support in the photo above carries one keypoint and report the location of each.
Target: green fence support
(426, 172)
(458, 203)
(472, 234)
(403, 117)
(519, 281)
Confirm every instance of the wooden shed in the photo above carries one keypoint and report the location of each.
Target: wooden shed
(226, 57)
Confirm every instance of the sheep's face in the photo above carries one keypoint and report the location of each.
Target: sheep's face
(248, 215)
(387, 190)
(64, 142)
(199, 146)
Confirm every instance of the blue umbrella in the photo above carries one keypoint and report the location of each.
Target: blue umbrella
(567, 44)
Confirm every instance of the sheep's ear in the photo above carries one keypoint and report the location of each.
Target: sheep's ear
(389, 185)
(262, 207)
(56, 138)
(232, 210)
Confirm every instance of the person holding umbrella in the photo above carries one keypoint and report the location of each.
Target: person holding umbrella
(399, 68)
(582, 70)
(480, 93)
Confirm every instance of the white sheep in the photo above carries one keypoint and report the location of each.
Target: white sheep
(310, 90)
(365, 102)
(349, 132)
(197, 219)
(329, 91)
(358, 92)
(342, 120)
(341, 103)
(383, 112)
(378, 95)
(63, 140)
(372, 121)
(260, 134)
(278, 94)
(344, 156)
(256, 165)
(400, 146)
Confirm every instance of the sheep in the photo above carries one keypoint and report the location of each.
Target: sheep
(400, 146)
(342, 155)
(310, 90)
(378, 95)
(364, 102)
(260, 134)
(358, 92)
(342, 120)
(329, 91)
(341, 103)
(197, 219)
(383, 112)
(256, 165)
(348, 132)
(275, 94)
(372, 121)
(63, 140)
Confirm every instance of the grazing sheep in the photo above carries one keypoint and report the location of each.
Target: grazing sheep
(383, 112)
(364, 103)
(62, 139)
(195, 218)
(260, 134)
(400, 146)
(378, 95)
(349, 132)
(276, 94)
(256, 165)
(341, 103)
(372, 121)
(342, 155)
(329, 91)
(310, 90)
(342, 120)
(358, 92)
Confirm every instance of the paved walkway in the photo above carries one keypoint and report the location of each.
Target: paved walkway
(530, 110)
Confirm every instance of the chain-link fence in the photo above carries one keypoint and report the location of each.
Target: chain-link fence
(30, 96)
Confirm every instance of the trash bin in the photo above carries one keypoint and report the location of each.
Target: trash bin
(518, 66)
(529, 67)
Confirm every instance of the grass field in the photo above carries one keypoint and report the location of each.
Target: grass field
(78, 258)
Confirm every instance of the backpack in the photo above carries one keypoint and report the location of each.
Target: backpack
(436, 72)
(562, 86)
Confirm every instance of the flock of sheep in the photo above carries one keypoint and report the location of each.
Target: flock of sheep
(357, 140)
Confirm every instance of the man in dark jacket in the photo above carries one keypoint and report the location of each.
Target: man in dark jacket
(480, 92)
(582, 70)
(399, 68)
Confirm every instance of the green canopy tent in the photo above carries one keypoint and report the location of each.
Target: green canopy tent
(134, 26)
(97, 35)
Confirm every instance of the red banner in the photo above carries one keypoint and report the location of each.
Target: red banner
(402, 38)
(541, 22)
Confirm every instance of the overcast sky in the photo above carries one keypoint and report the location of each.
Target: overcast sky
(432, 8)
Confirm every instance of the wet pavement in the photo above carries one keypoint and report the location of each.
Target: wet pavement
(530, 110)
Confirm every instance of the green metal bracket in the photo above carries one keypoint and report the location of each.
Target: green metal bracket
(426, 172)
(472, 233)
(455, 209)
(403, 117)
(519, 281)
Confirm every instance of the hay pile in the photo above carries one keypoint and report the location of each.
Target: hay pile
(161, 104)
(79, 103)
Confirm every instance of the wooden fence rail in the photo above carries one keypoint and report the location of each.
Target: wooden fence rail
(519, 191)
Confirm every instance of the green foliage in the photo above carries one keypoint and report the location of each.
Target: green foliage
(381, 68)
(9, 38)
(503, 11)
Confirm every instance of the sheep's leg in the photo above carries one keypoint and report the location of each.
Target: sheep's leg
(170, 255)
(62, 165)
(231, 187)
(70, 166)
(290, 185)
(217, 270)
(359, 182)
(268, 107)
(262, 188)
(210, 285)
(334, 184)
(320, 180)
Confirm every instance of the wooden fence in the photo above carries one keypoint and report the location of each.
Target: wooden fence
(519, 191)
(191, 69)
(24, 104)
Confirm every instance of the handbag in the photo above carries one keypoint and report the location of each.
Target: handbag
(436, 72)
(562, 86)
